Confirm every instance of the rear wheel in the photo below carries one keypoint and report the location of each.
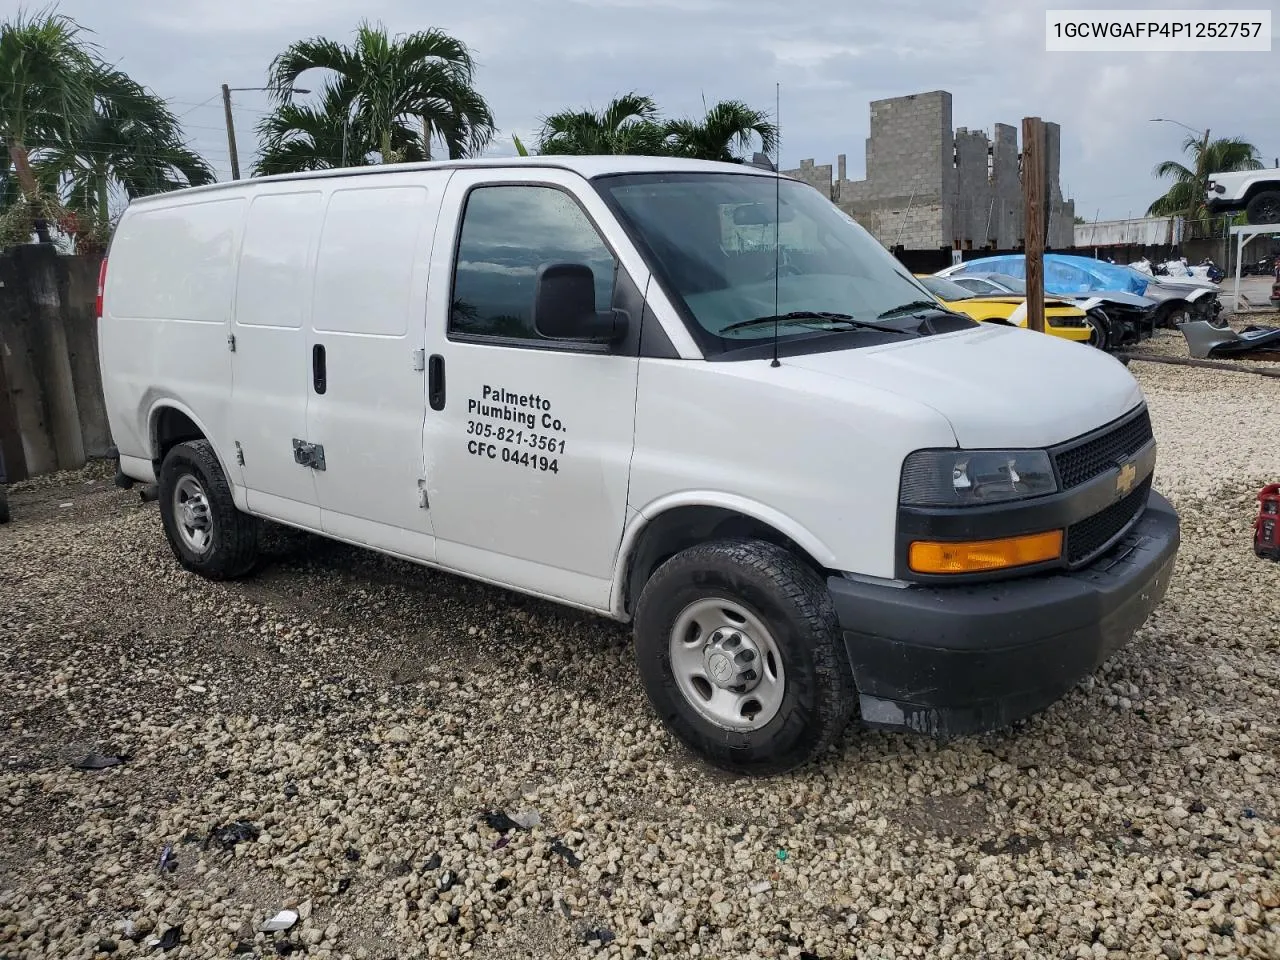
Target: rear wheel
(4, 506)
(209, 536)
(1264, 207)
(740, 653)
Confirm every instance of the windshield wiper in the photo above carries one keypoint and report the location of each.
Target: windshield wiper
(804, 316)
(911, 307)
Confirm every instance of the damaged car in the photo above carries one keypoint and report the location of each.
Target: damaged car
(1117, 318)
(1178, 300)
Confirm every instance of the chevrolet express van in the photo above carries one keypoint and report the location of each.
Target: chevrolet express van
(694, 397)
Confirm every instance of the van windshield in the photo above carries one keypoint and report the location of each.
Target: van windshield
(710, 237)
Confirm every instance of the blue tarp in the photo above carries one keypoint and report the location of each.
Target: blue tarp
(1065, 274)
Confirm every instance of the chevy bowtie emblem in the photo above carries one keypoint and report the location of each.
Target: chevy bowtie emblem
(1124, 480)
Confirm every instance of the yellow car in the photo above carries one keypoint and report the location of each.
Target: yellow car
(1061, 317)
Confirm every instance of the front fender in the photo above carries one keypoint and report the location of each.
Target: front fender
(806, 539)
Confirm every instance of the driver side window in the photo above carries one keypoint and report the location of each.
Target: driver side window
(508, 233)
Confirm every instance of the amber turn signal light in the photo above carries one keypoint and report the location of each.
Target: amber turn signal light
(978, 556)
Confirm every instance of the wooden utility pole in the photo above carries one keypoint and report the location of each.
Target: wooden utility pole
(1033, 194)
(231, 133)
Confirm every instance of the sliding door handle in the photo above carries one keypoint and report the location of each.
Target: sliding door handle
(435, 382)
(319, 375)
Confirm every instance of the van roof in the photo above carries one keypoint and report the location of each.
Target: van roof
(588, 167)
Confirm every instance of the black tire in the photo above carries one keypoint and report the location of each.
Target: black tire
(232, 548)
(1174, 316)
(818, 695)
(1100, 324)
(4, 506)
(1263, 207)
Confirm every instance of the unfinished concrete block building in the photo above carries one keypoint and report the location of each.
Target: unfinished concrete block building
(929, 186)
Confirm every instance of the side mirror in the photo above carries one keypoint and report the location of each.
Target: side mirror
(564, 306)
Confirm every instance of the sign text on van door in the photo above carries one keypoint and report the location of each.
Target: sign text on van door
(515, 428)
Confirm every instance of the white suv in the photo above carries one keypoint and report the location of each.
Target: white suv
(1256, 192)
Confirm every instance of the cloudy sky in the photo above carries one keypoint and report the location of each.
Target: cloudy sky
(540, 56)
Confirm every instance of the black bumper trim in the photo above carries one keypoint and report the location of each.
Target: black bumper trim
(964, 659)
(1221, 205)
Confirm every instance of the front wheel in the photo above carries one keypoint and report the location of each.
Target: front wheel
(209, 536)
(740, 653)
(1099, 329)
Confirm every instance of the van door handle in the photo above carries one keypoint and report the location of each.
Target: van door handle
(319, 376)
(435, 382)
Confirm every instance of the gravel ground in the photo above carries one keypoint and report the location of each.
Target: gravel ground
(361, 717)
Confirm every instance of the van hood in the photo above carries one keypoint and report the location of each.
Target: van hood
(998, 386)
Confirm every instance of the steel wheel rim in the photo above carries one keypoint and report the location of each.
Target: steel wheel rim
(191, 514)
(727, 665)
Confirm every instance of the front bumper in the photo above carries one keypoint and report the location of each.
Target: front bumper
(954, 660)
(1219, 204)
(1075, 334)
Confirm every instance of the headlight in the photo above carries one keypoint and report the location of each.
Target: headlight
(961, 478)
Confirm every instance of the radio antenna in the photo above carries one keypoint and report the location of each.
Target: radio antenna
(777, 211)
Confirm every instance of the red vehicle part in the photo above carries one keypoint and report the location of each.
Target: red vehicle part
(1266, 529)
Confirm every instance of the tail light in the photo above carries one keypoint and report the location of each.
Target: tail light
(102, 283)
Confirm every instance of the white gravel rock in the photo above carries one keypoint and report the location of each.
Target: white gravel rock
(360, 717)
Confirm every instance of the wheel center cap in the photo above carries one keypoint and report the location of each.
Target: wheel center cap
(732, 661)
(720, 667)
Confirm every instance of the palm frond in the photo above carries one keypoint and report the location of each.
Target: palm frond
(422, 78)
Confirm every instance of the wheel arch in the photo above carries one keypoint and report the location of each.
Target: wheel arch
(171, 422)
(661, 530)
(1168, 307)
(1260, 186)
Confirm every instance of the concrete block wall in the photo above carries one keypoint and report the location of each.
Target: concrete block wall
(54, 416)
(818, 177)
(929, 186)
(1006, 188)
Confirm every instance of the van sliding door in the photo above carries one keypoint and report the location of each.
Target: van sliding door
(365, 368)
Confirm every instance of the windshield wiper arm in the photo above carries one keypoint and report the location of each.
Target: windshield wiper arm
(911, 306)
(801, 316)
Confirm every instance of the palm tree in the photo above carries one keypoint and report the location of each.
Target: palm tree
(384, 84)
(627, 125)
(728, 124)
(131, 144)
(45, 92)
(326, 136)
(1187, 195)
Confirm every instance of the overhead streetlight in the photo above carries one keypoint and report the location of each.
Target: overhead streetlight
(1179, 123)
(231, 130)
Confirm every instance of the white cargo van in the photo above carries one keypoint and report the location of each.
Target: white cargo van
(604, 381)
